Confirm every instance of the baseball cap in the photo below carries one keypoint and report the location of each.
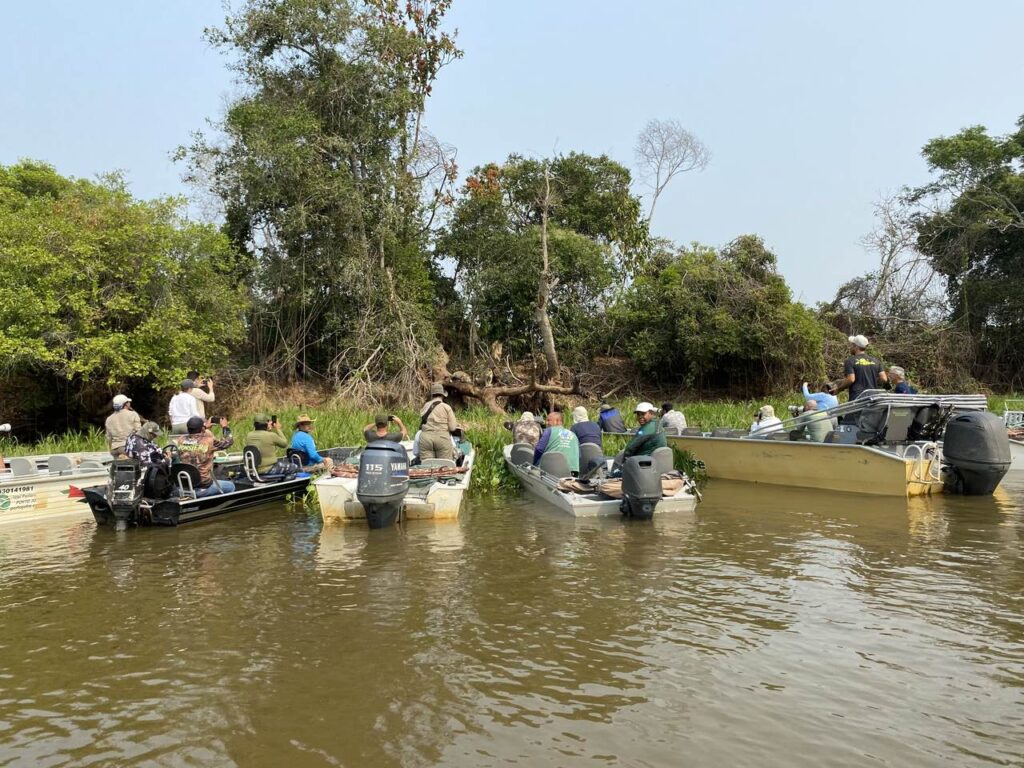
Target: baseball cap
(187, 384)
(643, 407)
(195, 424)
(120, 400)
(859, 341)
(152, 428)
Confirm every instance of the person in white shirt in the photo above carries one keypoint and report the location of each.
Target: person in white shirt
(766, 421)
(201, 395)
(673, 422)
(183, 406)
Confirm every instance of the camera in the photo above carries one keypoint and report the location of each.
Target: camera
(795, 410)
(273, 419)
(391, 418)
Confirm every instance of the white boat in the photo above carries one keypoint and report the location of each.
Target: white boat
(1013, 418)
(43, 487)
(1017, 455)
(569, 498)
(428, 498)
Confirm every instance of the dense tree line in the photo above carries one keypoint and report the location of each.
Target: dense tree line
(347, 257)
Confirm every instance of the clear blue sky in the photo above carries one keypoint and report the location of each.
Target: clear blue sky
(812, 109)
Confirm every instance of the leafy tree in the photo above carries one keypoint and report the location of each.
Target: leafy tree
(718, 319)
(971, 226)
(100, 288)
(576, 211)
(326, 177)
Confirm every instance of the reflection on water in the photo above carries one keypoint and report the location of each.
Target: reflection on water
(769, 627)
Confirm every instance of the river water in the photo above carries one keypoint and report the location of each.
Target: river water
(771, 627)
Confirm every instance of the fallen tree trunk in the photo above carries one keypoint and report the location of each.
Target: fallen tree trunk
(489, 395)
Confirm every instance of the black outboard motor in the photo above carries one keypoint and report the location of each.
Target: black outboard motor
(641, 487)
(124, 491)
(977, 452)
(383, 482)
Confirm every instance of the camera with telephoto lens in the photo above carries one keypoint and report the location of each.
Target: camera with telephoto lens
(795, 410)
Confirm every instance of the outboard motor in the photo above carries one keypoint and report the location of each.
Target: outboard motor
(383, 482)
(977, 452)
(124, 491)
(641, 487)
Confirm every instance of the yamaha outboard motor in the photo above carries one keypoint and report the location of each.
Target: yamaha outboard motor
(641, 487)
(977, 452)
(124, 491)
(383, 482)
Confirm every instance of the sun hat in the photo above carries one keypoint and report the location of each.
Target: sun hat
(766, 411)
(195, 424)
(121, 400)
(643, 407)
(859, 341)
(527, 416)
(152, 428)
(304, 419)
(579, 414)
(437, 389)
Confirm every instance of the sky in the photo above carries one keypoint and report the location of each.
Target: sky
(812, 110)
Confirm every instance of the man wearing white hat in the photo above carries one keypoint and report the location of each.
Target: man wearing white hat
(649, 436)
(861, 370)
(121, 423)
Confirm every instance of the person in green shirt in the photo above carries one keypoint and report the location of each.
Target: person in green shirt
(816, 424)
(649, 437)
(267, 436)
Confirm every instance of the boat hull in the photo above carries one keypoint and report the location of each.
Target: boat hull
(825, 466)
(534, 482)
(1017, 455)
(44, 496)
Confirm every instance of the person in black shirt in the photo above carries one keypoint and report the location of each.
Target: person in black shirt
(380, 429)
(861, 371)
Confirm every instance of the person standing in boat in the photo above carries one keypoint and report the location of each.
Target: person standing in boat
(202, 392)
(898, 379)
(198, 447)
(586, 431)
(649, 436)
(380, 429)
(120, 424)
(437, 423)
(182, 408)
(610, 419)
(672, 421)
(825, 397)
(862, 371)
(557, 439)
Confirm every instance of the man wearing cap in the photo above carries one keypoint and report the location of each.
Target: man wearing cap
(649, 437)
(141, 444)
(672, 421)
(861, 370)
(437, 422)
(182, 408)
(121, 423)
(267, 438)
(765, 421)
(610, 420)
(302, 440)
(378, 430)
(558, 439)
(198, 447)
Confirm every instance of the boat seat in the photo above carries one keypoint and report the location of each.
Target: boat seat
(555, 464)
(251, 458)
(779, 436)
(446, 463)
(673, 431)
(691, 431)
(843, 437)
(740, 433)
(298, 457)
(22, 467)
(590, 452)
(60, 463)
(522, 453)
(91, 464)
(721, 432)
(664, 459)
(898, 425)
(185, 478)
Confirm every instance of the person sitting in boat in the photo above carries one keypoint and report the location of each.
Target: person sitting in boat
(672, 421)
(586, 431)
(121, 423)
(861, 370)
(380, 429)
(266, 435)
(610, 420)
(198, 447)
(182, 408)
(898, 379)
(815, 423)
(141, 444)
(526, 430)
(649, 436)
(557, 439)
(437, 422)
(824, 398)
(302, 440)
(765, 421)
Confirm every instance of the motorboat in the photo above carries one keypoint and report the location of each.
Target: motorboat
(1013, 418)
(158, 494)
(39, 487)
(887, 444)
(648, 484)
(433, 489)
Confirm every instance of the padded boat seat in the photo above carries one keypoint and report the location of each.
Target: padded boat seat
(721, 432)
(590, 452)
(779, 436)
(22, 467)
(443, 462)
(691, 431)
(60, 463)
(555, 464)
(522, 453)
(664, 460)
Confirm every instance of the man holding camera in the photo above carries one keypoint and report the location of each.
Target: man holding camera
(266, 436)
(380, 429)
(202, 392)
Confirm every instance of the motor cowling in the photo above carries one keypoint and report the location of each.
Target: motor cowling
(383, 482)
(976, 452)
(641, 487)
(124, 491)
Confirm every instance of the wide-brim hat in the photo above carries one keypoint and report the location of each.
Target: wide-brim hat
(304, 419)
(766, 411)
(437, 389)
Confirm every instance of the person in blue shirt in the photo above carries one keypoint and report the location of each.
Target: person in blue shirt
(586, 431)
(825, 397)
(610, 419)
(900, 385)
(302, 440)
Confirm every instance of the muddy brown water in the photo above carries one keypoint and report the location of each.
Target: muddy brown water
(770, 627)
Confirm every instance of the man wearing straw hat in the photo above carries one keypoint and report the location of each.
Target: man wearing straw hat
(437, 422)
(302, 440)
